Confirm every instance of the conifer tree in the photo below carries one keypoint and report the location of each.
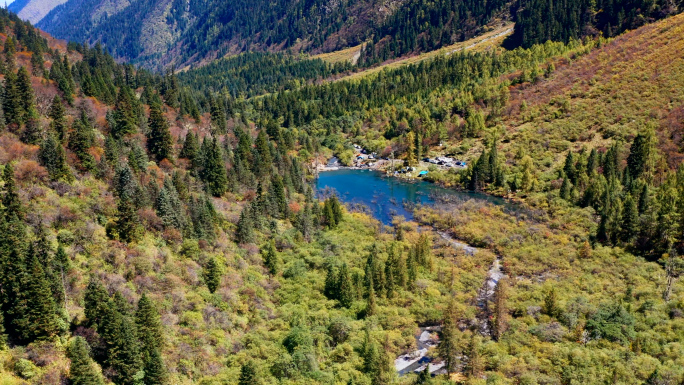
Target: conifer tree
(411, 149)
(271, 258)
(640, 153)
(374, 272)
(10, 198)
(12, 103)
(630, 220)
(127, 222)
(213, 275)
(390, 279)
(53, 157)
(566, 189)
(569, 167)
(371, 305)
(159, 141)
(26, 96)
(149, 329)
(80, 141)
(125, 114)
(214, 173)
(331, 283)
(345, 287)
(474, 364)
(245, 227)
(500, 321)
(190, 150)
(38, 319)
(448, 342)
(37, 64)
(248, 375)
(279, 199)
(412, 270)
(83, 370)
(218, 115)
(125, 358)
(264, 161)
(96, 301)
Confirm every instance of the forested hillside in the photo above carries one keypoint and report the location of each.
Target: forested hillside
(163, 229)
(175, 32)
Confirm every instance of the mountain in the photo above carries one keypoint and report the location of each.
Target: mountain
(165, 32)
(34, 10)
(161, 33)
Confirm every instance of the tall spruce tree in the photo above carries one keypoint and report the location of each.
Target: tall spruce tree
(38, 320)
(248, 375)
(159, 141)
(245, 227)
(213, 275)
(271, 258)
(127, 222)
(125, 113)
(214, 173)
(345, 287)
(82, 371)
(149, 329)
(53, 157)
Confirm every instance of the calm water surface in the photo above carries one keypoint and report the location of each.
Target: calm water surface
(385, 196)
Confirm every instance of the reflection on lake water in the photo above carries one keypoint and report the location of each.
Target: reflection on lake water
(387, 196)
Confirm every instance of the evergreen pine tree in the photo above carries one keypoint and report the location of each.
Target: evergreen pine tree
(448, 342)
(149, 330)
(213, 275)
(390, 279)
(271, 258)
(218, 115)
(371, 305)
(159, 141)
(500, 321)
(83, 370)
(214, 173)
(38, 319)
(245, 227)
(630, 220)
(248, 375)
(26, 96)
(412, 270)
(125, 114)
(125, 358)
(12, 103)
(190, 150)
(566, 189)
(474, 364)
(10, 198)
(127, 222)
(331, 283)
(53, 157)
(80, 141)
(345, 287)
(264, 161)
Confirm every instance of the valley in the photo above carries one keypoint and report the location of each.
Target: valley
(164, 218)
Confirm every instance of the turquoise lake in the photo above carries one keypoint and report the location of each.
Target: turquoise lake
(387, 196)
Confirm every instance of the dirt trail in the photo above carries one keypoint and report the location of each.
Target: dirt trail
(506, 32)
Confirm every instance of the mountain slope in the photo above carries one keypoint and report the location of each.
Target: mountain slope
(34, 10)
(164, 32)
